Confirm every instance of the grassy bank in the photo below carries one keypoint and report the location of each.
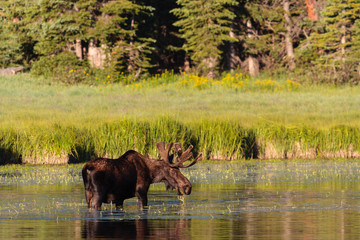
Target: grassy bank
(216, 139)
(42, 122)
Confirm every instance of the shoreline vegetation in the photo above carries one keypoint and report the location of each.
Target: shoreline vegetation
(230, 118)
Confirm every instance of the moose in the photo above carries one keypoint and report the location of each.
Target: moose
(114, 180)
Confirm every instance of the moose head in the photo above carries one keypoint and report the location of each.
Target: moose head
(171, 175)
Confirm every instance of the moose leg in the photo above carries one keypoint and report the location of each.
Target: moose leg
(141, 194)
(97, 200)
(88, 196)
(142, 199)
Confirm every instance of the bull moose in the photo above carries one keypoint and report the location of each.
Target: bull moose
(114, 180)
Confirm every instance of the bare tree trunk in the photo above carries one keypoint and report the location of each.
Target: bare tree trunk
(311, 9)
(343, 41)
(79, 49)
(132, 54)
(254, 67)
(252, 63)
(96, 55)
(288, 41)
(231, 54)
(78, 46)
(186, 63)
(210, 64)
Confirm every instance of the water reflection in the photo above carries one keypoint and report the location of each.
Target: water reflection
(250, 200)
(135, 229)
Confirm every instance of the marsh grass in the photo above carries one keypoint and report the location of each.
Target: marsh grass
(226, 140)
(45, 122)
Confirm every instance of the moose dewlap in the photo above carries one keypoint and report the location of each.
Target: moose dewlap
(114, 180)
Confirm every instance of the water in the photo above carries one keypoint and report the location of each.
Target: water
(317, 199)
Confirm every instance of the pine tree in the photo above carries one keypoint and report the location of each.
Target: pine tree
(333, 48)
(354, 54)
(268, 33)
(168, 53)
(205, 25)
(51, 27)
(117, 28)
(16, 45)
(56, 24)
(10, 49)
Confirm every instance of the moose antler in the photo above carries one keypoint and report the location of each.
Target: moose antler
(164, 152)
(198, 158)
(181, 156)
(184, 156)
(178, 150)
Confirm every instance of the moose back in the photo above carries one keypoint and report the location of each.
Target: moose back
(114, 180)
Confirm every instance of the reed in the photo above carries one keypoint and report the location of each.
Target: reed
(224, 140)
(233, 117)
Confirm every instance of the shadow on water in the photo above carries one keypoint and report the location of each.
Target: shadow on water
(135, 229)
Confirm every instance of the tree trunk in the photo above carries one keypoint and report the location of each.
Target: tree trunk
(186, 63)
(343, 42)
(78, 46)
(210, 63)
(232, 54)
(79, 49)
(312, 14)
(252, 63)
(96, 55)
(288, 41)
(132, 54)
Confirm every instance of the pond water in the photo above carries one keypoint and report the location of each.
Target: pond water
(275, 199)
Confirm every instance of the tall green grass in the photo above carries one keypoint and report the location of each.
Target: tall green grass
(225, 140)
(231, 118)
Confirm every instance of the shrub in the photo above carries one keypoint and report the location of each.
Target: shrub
(64, 67)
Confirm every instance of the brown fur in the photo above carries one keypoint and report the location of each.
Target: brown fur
(114, 180)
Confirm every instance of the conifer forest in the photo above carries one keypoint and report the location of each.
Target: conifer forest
(316, 40)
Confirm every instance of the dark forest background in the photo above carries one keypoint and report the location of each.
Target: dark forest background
(317, 40)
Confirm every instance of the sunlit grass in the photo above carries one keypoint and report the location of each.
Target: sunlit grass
(25, 100)
(223, 117)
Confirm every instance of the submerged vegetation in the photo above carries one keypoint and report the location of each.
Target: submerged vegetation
(233, 117)
(269, 174)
